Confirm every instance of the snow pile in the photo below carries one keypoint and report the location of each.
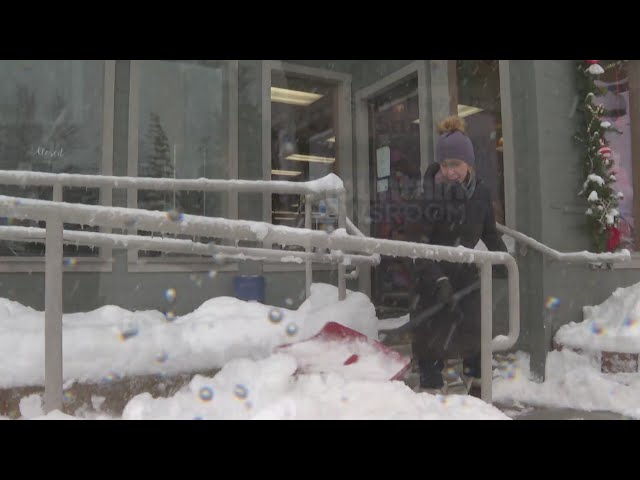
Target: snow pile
(571, 381)
(612, 326)
(112, 341)
(266, 390)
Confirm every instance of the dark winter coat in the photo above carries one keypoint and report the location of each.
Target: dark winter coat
(451, 215)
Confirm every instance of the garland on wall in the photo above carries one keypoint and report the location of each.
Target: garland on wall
(598, 166)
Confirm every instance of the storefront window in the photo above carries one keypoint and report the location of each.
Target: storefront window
(303, 143)
(51, 120)
(182, 133)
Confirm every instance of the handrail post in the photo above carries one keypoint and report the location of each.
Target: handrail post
(308, 271)
(486, 321)
(342, 223)
(53, 315)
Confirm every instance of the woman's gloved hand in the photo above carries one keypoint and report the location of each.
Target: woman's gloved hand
(444, 292)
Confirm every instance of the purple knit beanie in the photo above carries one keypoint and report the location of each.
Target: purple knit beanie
(455, 145)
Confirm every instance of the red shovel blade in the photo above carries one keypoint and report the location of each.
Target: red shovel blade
(352, 359)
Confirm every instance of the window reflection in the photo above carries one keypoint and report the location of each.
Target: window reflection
(182, 134)
(51, 119)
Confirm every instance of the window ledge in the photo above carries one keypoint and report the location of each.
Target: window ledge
(37, 265)
(178, 265)
(295, 267)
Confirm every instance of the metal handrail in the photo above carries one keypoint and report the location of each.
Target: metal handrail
(326, 187)
(572, 257)
(58, 213)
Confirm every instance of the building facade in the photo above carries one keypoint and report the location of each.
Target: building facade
(371, 122)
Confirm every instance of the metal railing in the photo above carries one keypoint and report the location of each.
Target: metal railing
(57, 213)
(569, 257)
(330, 186)
(364, 251)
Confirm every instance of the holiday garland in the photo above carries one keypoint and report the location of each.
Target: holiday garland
(598, 187)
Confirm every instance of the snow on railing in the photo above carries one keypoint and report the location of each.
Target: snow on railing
(331, 184)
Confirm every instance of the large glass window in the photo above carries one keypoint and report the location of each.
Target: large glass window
(51, 120)
(303, 143)
(182, 133)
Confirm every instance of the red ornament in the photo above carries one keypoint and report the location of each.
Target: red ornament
(605, 151)
(613, 239)
(592, 62)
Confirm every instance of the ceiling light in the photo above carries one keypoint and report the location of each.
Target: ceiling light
(310, 158)
(466, 110)
(284, 212)
(293, 97)
(463, 111)
(286, 173)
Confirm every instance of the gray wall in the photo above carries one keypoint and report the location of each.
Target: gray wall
(549, 175)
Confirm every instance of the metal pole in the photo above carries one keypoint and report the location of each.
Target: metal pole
(53, 316)
(342, 223)
(308, 272)
(486, 319)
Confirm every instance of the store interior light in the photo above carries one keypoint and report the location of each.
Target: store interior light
(463, 111)
(293, 97)
(286, 173)
(310, 158)
(284, 212)
(466, 110)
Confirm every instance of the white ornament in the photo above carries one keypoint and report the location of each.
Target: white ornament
(620, 195)
(588, 212)
(595, 69)
(614, 212)
(609, 219)
(596, 178)
(593, 196)
(600, 208)
(605, 124)
(613, 177)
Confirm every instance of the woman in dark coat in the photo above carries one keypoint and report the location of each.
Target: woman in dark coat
(456, 210)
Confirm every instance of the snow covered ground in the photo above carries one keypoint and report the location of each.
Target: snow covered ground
(256, 383)
(111, 340)
(575, 380)
(239, 336)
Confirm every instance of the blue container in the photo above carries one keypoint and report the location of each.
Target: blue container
(249, 287)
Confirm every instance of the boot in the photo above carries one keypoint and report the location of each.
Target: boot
(431, 374)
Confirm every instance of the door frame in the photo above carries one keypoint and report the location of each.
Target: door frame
(362, 97)
(342, 81)
(433, 77)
